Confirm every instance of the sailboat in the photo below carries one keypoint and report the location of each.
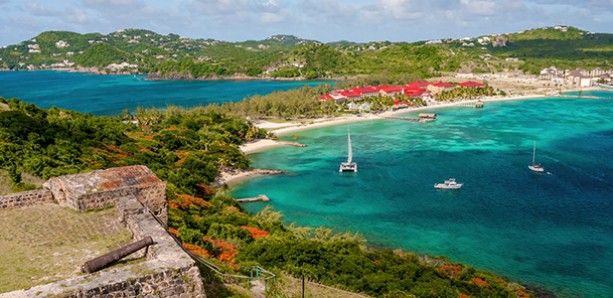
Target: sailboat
(348, 166)
(534, 166)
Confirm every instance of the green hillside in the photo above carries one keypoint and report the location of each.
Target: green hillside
(173, 56)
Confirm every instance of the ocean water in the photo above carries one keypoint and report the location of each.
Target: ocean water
(110, 95)
(552, 230)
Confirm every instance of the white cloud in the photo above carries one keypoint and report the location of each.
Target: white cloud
(78, 16)
(401, 9)
(325, 20)
(479, 7)
(37, 9)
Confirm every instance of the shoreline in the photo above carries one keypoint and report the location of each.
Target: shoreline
(236, 176)
(284, 129)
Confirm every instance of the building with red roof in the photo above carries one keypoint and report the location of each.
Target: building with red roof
(326, 97)
(471, 84)
(439, 87)
(390, 90)
(414, 92)
(350, 94)
(366, 91)
(418, 84)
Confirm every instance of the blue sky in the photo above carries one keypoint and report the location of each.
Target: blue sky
(323, 20)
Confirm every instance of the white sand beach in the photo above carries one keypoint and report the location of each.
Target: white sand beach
(291, 127)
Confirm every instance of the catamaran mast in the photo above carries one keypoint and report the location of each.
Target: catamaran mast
(349, 155)
(534, 153)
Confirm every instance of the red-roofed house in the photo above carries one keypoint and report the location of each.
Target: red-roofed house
(350, 94)
(439, 87)
(326, 97)
(390, 90)
(366, 91)
(471, 84)
(414, 92)
(418, 84)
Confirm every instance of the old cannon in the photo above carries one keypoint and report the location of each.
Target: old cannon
(113, 256)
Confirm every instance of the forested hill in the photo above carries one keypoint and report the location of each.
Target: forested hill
(286, 56)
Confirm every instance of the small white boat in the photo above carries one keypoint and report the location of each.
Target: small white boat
(534, 166)
(448, 184)
(348, 166)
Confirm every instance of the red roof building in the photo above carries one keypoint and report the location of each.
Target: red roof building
(325, 97)
(350, 94)
(439, 87)
(418, 84)
(366, 90)
(390, 90)
(414, 91)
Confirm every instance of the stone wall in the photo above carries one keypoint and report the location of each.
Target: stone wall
(167, 270)
(25, 199)
(98, 189)
(148, 196)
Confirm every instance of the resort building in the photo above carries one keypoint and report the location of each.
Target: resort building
(578, 77)
(439, 87)
(390, 90)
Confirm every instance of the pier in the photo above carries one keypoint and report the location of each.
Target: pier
(470, 104)
(422, 117)
(402, 119)
(295, 144)
(259, 198)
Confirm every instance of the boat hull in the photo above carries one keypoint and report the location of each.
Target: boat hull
(536, 168)
(445, 186)
(348, 167)
(448, 184)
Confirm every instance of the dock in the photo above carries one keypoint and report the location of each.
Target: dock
(470, 104)
(295, 144)
(259, 198)
(402, 119)
(422, 117)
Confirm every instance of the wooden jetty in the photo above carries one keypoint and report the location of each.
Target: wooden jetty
(295, 144)
(470, 104)
(259, 198)
(422, 117)
(402, 119)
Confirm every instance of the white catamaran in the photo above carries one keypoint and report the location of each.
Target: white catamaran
(534, 166)
(348, 166)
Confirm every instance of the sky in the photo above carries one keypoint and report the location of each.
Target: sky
(322, 20)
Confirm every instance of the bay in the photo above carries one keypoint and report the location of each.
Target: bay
(111, 94)
(552, 230)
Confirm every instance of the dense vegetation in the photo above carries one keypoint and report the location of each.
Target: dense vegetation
(283, 56)
(185, 147)
(188, 148)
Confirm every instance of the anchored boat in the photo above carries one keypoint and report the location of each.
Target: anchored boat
(534, 166)
(448, 184)
(348, 166)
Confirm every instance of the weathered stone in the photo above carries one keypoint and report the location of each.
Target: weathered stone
(167, 272)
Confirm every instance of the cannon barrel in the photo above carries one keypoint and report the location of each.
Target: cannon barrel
(113, 256)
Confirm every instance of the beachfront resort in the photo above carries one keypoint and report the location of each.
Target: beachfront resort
(417, 93)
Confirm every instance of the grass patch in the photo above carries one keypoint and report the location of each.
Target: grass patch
(47, 243)
(599, 49)
(6, 187)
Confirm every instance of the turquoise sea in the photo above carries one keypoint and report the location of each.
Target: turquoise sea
(111, 94)
(553, 231)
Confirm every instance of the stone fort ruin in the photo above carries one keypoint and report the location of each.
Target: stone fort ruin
(138, 196)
